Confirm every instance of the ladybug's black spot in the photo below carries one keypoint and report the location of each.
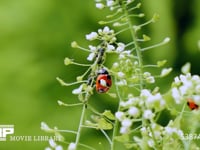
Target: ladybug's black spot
(108, 77)
(188, 103)
(107, 84)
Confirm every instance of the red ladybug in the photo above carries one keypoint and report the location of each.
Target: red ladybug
(191, 104)
(103, 81)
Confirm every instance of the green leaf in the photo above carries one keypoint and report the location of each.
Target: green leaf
(122, 138)
(103, 124)
(131, 145)
(186, 68)
(108, 114)
(146, 38)
(161, 63)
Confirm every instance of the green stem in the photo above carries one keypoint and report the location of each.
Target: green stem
(137, 48)
(80, 125)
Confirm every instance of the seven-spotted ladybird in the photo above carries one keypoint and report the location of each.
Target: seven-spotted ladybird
(103, 81)
(191, 104)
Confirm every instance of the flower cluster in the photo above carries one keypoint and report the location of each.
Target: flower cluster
(186, 86)
(159, 135)
(133, 110)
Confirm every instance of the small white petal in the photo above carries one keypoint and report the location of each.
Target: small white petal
(59, 147)
(126, 123)
(121, 47)
(91, 56)
(92, 36)
(78, 90)
(176, 95)
(120, 115)
(110, 3)
(148, 114)
(52, 143)
(72, 146)
(106, 30)
(92, 48)
(110, 47)
(120, 74)
(133, 111)
(124, 130)
(151, 143)
(165, 72)
(100, 5)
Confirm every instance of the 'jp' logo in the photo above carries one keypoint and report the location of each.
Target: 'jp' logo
(5, 130)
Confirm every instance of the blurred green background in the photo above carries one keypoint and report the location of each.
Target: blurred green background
(35, 37)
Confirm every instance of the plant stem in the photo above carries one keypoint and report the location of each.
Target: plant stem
(137, 48)
(80, 125)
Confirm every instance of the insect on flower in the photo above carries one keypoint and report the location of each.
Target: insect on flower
(191, 104)
(103, 81)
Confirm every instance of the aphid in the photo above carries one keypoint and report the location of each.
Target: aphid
(103, 81)
(100, 55)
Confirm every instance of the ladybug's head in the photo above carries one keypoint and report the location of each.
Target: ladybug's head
(102, 71)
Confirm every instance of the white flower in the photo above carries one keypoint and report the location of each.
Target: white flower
(151, 143)
(110, 3)
(120, 74)
(145, 93)
(105, 30)
(183, 90)
(45, 127)
(176, 95)
(121, 47)
(133, 111)
(156, 100)
(59, 147)
(126, 122)
(143, 130)
(72, 146)
(148, 114)
(177, 80)
(165, 71)
(196, 99)
(146, 74)
(196, 78)
(78, 90)
(92, 48)
(48, 148)
(124, 130)
(120, 115)
(150, 79)
(91, 56)
(52, 143)
(92, 36)
(170, 130)
(100, 5)
(110, 47)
